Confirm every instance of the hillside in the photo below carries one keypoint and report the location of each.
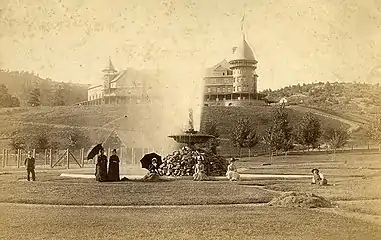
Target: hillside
(20, 84)
(96, 122)
(357, 101)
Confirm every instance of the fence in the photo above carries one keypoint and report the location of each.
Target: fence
(56, 158)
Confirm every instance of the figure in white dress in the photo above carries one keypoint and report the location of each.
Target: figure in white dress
(318, 178)
(232, 173)
(200, 173)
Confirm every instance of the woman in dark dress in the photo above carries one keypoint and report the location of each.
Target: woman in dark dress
(101, 167)
(113, 167)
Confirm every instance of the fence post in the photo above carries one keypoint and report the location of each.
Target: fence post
(132, 156)
(82, 157)
(18, 158)
(7, 159)
(50, 157)
(121, 155)
(46, 157)
(3, 158)
(67, 158)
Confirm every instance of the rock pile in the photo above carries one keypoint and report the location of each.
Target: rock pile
(182, 163)
(295, 199)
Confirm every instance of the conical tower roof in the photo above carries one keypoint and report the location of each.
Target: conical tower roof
(110, 67)
(243, 51)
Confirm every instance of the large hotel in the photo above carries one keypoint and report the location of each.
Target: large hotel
(228, 83)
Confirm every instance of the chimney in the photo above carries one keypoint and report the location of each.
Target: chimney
(234, 48)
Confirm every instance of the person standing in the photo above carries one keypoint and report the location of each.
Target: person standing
(101, 167)
(113, 167)
(30, 164)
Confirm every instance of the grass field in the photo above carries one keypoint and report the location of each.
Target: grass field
(353, 186)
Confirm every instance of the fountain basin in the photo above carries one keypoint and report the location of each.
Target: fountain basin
(191, 138)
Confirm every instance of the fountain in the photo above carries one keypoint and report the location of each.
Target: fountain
(191, 136)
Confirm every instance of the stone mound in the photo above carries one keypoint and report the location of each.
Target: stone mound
(297, 199)
(182, 163)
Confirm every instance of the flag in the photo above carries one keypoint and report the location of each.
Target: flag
(242, 22)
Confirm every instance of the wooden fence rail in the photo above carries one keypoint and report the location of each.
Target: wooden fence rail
(54, 158)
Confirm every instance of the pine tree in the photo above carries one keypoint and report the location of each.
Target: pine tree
(278, 136)
(34, 98)
(243, 135)
(309, 131)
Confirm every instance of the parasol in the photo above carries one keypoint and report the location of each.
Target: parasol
(94, 151)
(147, 160)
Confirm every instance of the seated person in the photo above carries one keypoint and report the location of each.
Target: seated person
(199, 174)
(153, 174)
(318, 178)
(232, 173)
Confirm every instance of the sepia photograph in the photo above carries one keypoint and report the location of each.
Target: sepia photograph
(190, 119)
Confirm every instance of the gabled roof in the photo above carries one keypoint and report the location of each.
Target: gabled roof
(223, 65)
(129, 139)
(243, 51)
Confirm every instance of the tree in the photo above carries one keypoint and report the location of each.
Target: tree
(278, 136)
(6, 99)
(210, 128)
(59, 97)
(309, 131)
(76, 139)
(375, 129)
(336, 138)
(34, 98)
(243, 135)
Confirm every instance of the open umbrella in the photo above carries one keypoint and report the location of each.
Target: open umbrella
(94, 151)
(147, 160)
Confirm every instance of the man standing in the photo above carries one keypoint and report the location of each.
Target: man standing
(30, 166)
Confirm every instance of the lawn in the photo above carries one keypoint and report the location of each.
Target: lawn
(52, 189)
(200, 222)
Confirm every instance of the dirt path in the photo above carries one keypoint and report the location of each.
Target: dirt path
(353, 126)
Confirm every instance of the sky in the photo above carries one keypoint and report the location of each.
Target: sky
(294, 41)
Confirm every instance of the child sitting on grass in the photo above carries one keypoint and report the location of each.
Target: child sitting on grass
(318, 178)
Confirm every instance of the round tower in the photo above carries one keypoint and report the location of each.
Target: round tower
(108, 74)
(243, 65)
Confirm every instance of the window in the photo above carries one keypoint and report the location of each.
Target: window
(239, 89)
(224, 90)
(209, 89)
(214, 89)
(213, 81)
(223, 74)
(218, 90)
(229, 89)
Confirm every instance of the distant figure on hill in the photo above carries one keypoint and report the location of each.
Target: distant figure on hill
(113, 167)
(30, 163)
(232, 173)
(101, 167)
(318, 178)
(199, 174)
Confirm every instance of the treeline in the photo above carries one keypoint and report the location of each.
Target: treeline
(41, 138)
(331, 93)
(31, 90)
(281, 135)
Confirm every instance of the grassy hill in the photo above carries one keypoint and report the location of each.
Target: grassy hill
(356, 101)
(96, 122)
(20, 84)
